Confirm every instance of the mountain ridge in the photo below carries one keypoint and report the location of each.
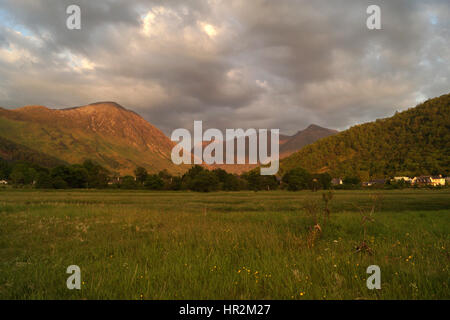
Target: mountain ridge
(413, 142)
(117, 138)
(287, 146)
(302, 138)
(104, 131)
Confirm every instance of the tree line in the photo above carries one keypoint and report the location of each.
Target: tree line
(90, 174)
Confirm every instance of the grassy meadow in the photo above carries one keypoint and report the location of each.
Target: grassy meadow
(241, 245)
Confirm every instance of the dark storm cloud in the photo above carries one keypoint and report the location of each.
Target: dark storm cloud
(273, 64)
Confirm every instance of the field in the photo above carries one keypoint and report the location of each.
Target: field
(243, 245)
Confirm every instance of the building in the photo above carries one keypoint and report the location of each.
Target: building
(336, 181)
(374, 182)
(429, 181)
(3, 182)
(437, 180)
(398, 179)
(422, 181)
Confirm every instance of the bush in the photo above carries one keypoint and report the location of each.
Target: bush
(153, 182)
(297, 179)
(351, 181)
(44, 181)
(59, 183)
(204, 181)
(22, 174)
(141, 175)
(128, 182)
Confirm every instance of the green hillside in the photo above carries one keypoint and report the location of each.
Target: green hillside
(413, 142)
(12, 151)
(116, 138)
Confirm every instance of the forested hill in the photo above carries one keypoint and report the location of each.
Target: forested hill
(413, 142)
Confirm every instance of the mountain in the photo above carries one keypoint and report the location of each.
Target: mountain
(413, 142)
(288, 145)
(302, 138)
(11, 151)
(117, 138)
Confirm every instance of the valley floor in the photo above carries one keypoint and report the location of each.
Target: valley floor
(242, 245)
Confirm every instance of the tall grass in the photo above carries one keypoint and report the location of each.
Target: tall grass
(245, 245)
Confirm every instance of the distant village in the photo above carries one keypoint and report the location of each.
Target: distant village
(421, 181)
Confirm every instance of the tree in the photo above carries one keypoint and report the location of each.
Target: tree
(175, 183)
(59, 183)
(204, 181)
(98, 176)
(5, 169)
(297, 179)
(153, 182)
(22, 174)
(127, 182)
(194, 171)
(228, 181)
(351, 181)
(75, 176)
(44, 181)
(141, 175)
(324, 180)
(62, 172)
(167, 178)
(78, 177)
(164, 174)
(253, 180)
(268, 182)
(257, 182)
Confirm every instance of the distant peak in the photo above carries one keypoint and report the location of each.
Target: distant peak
(107, 104)
(111, 104)
(310, 127)
(99, 105)
(314, 126)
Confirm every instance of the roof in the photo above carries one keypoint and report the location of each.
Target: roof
(424, 178)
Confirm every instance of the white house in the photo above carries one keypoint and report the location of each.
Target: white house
(429, 180)
(437, 180)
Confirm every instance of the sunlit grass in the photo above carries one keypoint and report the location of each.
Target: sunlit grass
(245, 245)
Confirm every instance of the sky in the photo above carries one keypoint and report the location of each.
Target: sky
(270, 64)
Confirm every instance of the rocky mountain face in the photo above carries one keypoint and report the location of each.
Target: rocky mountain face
(117, 138)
